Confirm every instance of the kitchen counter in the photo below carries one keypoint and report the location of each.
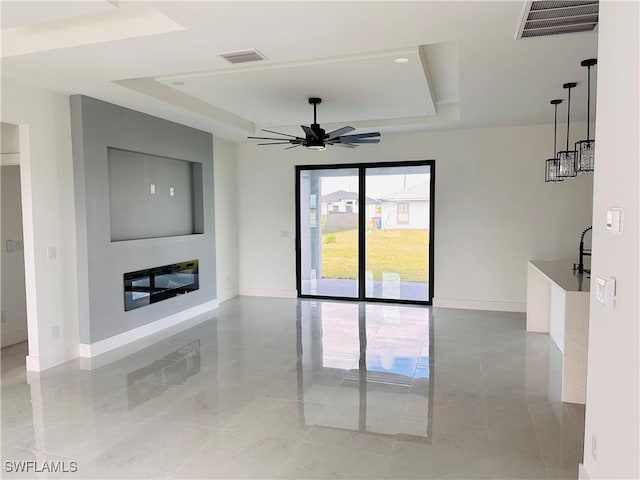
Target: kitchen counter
(558, 304)
(562, 274)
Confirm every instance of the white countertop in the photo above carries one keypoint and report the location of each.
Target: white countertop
(562, 274)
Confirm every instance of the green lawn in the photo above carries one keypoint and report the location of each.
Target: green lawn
(400, 251)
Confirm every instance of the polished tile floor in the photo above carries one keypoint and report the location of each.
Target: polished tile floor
(279, 388)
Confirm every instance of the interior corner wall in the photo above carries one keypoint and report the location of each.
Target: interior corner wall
(493, 210)
(48, 220)
(613, 369)
(226, 218)
(97, 125)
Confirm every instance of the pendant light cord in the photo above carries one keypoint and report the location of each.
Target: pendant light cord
(555, 129)
(588, 99)
(568, 116)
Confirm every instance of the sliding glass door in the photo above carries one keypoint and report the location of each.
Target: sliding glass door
(365, 231)
(328, 232)
(397, 234)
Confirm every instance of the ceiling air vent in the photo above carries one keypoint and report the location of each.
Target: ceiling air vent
(542, 18)
(242, 56)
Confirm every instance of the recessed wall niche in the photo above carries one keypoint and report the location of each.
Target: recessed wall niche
(151, 196)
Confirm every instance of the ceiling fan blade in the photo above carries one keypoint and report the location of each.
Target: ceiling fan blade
(363, 140)
(338, 132)
(345, 145)
(274, 143)
(278, 133)
(294, 146)
(309, 132)
(271, 138)
(348, 138)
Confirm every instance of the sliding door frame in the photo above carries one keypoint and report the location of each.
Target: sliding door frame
(362, 168)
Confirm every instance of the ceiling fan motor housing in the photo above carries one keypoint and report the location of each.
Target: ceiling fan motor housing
(319, 133)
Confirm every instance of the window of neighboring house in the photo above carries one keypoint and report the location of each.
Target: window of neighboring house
(350, 206)
(336, 208)
(403, 212)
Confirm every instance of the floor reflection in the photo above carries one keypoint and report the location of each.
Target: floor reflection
(371, 361)
(285, 388)
(171, 369)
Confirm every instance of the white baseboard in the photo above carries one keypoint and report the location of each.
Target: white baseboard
(10, 338)
(48, 360)
(582, 472)
(268, 292)
(480, 305)
(90, 350)
(228, 296)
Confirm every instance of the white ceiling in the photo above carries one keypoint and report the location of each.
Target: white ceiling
(466, 69)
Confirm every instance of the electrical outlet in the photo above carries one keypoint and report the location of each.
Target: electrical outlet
(594, 447)
(172, 192)
(3, 317)
(51, 253)
(152, 188)
(55, 333)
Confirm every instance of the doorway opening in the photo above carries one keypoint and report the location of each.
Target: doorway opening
(14, 309)
(365, 231)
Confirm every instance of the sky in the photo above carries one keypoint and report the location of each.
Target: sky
(377, 186)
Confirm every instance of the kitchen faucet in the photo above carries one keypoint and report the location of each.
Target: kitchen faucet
(583, 252)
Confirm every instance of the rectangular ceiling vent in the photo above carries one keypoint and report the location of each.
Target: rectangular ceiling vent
(542, 18)
(243, 56)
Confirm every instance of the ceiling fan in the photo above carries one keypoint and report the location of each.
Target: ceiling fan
(315, 137)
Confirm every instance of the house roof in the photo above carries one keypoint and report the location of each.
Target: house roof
(344, 195)
(415, 192)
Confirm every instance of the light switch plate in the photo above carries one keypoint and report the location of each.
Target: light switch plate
(606, 291)
(614, 220)
(600, 286)
(51, 253)
(172, 192)
(152, 188)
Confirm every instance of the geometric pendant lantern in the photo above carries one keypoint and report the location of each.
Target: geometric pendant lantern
(567, 159)
(586, 148)
(552, 165)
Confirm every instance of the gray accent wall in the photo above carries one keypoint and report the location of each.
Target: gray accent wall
(97, 126)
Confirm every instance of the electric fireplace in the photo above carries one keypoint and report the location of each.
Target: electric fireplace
(152, 285)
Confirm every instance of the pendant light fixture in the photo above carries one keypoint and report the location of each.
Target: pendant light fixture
(567, 158)
(552, 164)
(586, 148)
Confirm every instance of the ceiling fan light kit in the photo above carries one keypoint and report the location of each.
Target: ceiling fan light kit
(569, 163)
(317, 139)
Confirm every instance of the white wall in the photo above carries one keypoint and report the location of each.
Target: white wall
(48, 219)
(613, 375)
(493, 210)
(14, 306)
(226, 217)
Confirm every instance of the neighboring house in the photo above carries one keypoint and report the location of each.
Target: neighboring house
(407, 208)
(340, 202)
(341, 208)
